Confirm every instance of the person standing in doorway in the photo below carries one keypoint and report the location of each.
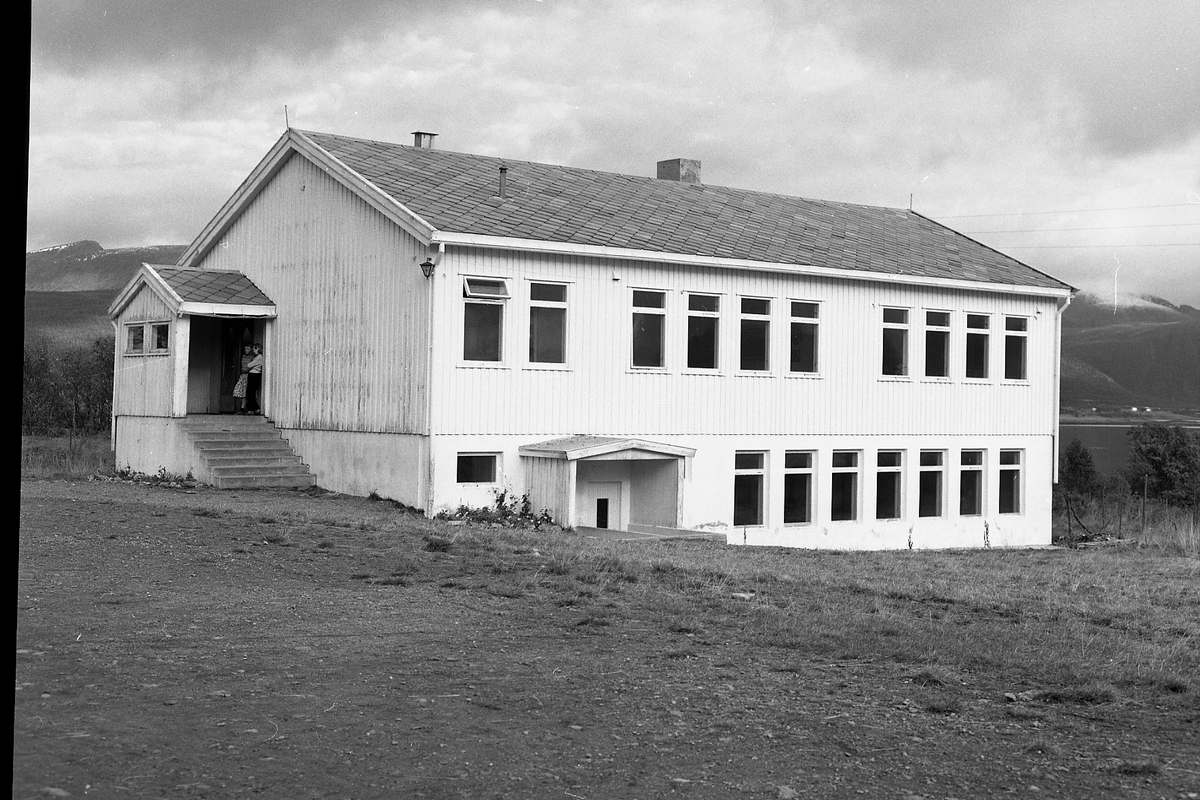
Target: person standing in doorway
(254, 381)
(243, 379)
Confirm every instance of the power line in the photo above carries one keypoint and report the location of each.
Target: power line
(1094, 228)
(1066, 211)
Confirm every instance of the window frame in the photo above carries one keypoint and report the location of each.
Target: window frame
(978, 474)
(660, 312)
(1020, 338)
(854, 473)
(471, 454)
(894, 471)
(902, 327)
(798, 469)
(932, 464)
(474, 296)
(760, 473)
(796, 321)
(554, 305)
(756, 319)
(147, 332)
(944, 331)
(703, 314)
(982, 333)
(1014, 467)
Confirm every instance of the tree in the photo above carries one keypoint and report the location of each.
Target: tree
(67, 390)
(1077, 470)
(1165, 459)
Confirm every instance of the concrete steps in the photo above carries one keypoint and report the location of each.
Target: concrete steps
(246, 452)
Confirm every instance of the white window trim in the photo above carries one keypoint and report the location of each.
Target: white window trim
(816, 323)
(717, 315)
(769, 318)
(814, 490)
(633, 309)
(906, 326)
(472, 296)
(549, 366)
(148, 348)
(1016, 334)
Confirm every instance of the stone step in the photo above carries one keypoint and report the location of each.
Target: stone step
(237, 470)
(246, 452)
(264, 481)
(260, 459)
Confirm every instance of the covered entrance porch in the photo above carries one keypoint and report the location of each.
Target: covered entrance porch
(607, 482)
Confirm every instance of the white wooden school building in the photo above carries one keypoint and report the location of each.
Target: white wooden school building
(632, 352)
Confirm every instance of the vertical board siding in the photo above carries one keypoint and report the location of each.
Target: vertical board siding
(144, 385)
(599, 393)
(350, 345)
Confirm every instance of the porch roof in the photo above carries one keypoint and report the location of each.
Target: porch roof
(220, 293)
(583, 446)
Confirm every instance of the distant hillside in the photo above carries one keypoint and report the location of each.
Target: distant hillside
(87, 267)
(68, 287)
(1144, 351)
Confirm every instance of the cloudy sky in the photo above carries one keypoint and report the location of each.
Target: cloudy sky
(1066, 134)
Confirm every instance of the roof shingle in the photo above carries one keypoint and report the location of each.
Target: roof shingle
(456, 193)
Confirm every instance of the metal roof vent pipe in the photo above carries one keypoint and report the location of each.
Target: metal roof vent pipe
(684, 170)
(503, 183)
(423, 139)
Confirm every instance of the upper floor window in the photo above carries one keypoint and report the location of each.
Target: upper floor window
(547, 323)
(1016, 336)
(755, 344)
(895, 341)
(805, 318)
(977, 345)
(483, 318)
(649, 315)
(703, 331)
(937, 344)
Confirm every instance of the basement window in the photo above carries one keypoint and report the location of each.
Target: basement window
(1010, 481)
(889, 484)
(843, 495)
(797, 487)
(476, 468)
(970, 483)
(749, 488)
(931, 503)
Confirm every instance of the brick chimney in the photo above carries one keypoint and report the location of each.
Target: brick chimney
(684, 170)
(423, 139)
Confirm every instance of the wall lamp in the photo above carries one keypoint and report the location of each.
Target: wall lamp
(427, 267)
(430, 263)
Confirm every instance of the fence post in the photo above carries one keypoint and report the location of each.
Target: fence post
(1145, 485)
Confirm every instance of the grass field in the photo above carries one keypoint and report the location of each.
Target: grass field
(229, 642)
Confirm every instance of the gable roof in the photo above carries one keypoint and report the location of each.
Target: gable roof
(197, 291)
(584, 446)
(445, 197)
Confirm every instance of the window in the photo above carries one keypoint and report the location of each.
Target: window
(889, 484)
(476, 467)
(749, 478)
(142, 338)
(804, 337)
(977, 345)
(937, 344)
(703, 329)
(970, 483)
(649, 312)
(756, 335)
(483, 318)
(933, 465)
(895, 341)
(547, 323)
(1010, 481)
(797, 487)
(1016, 333)
(843, 495)
(135, 339)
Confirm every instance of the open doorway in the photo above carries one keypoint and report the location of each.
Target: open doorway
(215, 361)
